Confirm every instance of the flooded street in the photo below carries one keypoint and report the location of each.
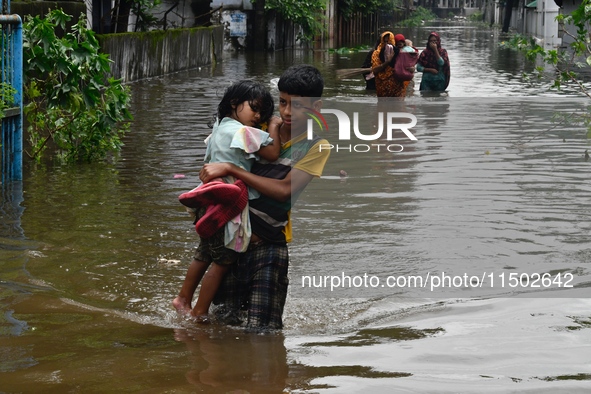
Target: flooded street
(494, 190)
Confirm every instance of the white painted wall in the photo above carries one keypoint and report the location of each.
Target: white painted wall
(546, 25)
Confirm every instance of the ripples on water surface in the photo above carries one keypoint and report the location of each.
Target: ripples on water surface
(492, 185)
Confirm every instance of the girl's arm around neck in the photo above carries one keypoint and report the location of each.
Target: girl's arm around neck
(271, 151)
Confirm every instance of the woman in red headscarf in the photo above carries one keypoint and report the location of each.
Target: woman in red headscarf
(382, 62)
(434, 64)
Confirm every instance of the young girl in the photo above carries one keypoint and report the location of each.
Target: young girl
(223, 229)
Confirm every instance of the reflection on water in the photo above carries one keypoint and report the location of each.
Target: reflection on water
(92, 256)
(222, 363)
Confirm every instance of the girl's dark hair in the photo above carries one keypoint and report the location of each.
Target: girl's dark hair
(257, 95)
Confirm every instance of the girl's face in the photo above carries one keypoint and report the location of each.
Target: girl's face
(246, 114)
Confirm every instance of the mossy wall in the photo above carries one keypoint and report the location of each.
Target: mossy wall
(149, 54)
(142, 55)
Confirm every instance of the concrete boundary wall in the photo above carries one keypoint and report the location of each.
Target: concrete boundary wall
(142, 55)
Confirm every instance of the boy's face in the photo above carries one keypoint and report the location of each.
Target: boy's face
(293, 110)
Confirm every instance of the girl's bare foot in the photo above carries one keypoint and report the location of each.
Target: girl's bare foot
(182, 306)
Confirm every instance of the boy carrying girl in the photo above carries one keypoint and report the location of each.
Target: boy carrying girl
(258, 282)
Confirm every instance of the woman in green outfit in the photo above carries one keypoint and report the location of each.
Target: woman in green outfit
(434, 64)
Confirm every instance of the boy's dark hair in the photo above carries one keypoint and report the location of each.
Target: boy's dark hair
(257, 95)
(301, 80)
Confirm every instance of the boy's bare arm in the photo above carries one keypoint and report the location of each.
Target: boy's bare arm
(277, 189)
(271, 151)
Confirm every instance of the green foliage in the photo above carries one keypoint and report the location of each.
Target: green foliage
(70, 99)
(567, 62)
(306, 13)
(417, 17)
(347, 50)
(309, 13)
(143, 11)
(476, 17)
(7, 93)
(564, 62)
(350, 7)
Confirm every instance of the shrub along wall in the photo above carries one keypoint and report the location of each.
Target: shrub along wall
(149, 54)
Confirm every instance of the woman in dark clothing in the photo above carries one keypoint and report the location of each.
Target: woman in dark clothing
(434, 64)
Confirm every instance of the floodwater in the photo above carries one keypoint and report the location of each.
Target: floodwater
(494, 189)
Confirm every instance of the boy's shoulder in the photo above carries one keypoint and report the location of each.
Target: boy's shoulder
(307, 147)
(303, 140)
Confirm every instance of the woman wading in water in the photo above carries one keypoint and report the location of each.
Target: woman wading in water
(382, 62)
(434, 64)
